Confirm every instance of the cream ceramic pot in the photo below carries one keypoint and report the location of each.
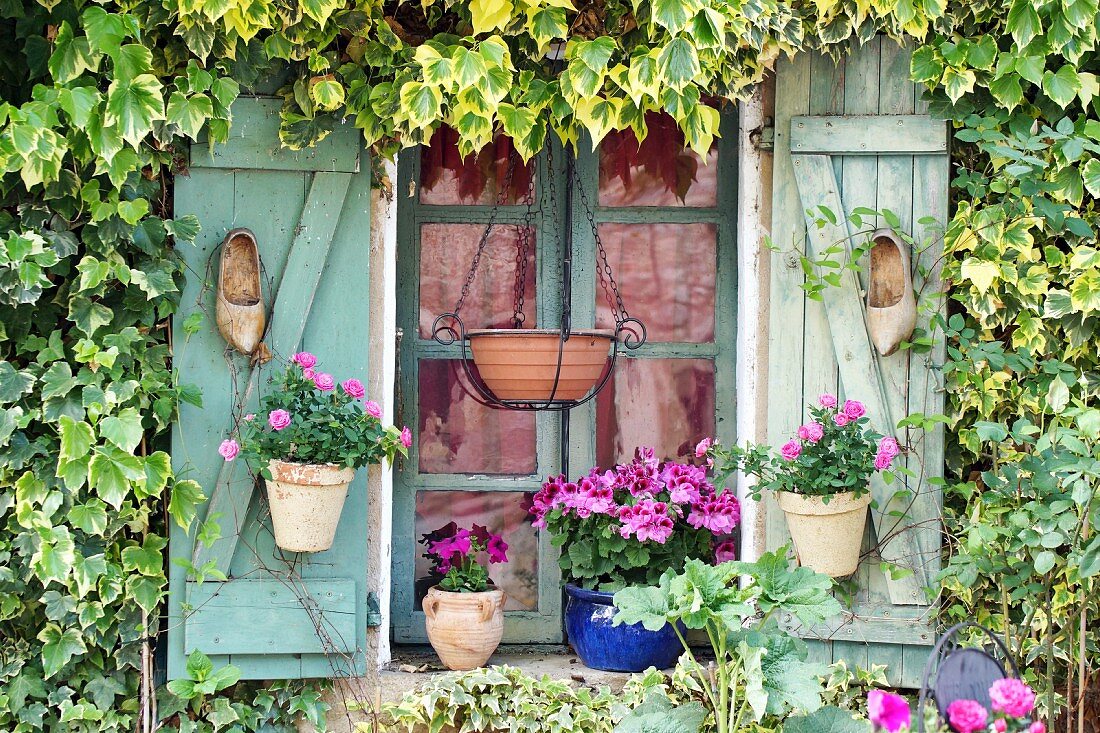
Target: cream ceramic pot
(827, 537)
(306, 501)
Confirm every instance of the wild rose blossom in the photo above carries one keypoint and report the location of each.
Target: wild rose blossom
(373, 409)
(725, 551)
(967, 716)
(1012, 697)
(812, 431)
(353, 388)
(324, 382)
(278, 419)
(827, 400)
(854, 409)
(304, 359)
(406, 436)
(791, 449)
(702, 447)
(229, 449)
(887, 711)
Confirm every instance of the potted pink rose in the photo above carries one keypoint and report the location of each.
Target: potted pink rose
(821, 479)
(309, 439)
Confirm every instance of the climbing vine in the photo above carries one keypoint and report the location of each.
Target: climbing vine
(99, 102)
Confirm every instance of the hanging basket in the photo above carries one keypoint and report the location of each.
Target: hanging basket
(522, 364)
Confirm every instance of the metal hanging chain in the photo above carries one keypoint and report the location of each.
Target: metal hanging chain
(501, 198)
(603, 267)
(523, 251)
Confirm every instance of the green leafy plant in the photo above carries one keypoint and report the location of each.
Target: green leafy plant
(758, 669)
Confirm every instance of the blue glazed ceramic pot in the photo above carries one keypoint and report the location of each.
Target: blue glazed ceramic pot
(623, 648)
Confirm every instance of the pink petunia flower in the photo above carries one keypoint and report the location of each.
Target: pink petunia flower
(278, 419)
(888, 712)
(827, 400)
(406, 436)
(888, 446)
(229, 449)
(304, 359)
(791, 450)
(1012, 697)
(353, 388)
(812, 432)
(702, 447)
(882, 462)
(854, 409)
(497, 549)
(324, 382)
(967, 716)
(373, 409)
(841, 419)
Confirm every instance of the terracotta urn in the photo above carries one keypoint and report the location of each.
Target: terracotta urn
(306, 501)
(464, 628)
(520, 364)
(827, 536)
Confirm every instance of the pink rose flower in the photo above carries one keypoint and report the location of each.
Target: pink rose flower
(229, 449)
(309, 374)
(1012, 697)
(304, 359)
(354, 388)
(827, 400)
(854, 409)
(250, 417)
(888, 446)
(887, 711)
(278, 419)
(967, 716)
(1037, 727)
(791, 450)
(702, 447)
(1000, 726)
(324, 382)
(882, 462)
(841, 419)
(406, 436)
(373, 409)
(811, 432)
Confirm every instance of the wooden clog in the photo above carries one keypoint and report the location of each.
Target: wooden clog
(239, 307)
(891, 305)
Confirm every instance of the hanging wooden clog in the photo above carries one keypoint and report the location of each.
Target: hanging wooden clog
(891, 305)
(239, 307)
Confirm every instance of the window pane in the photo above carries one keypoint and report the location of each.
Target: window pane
(459, 435)
(446, 251)
(660, 171)
(667, 404)
(448, 178)
(503, 513)
(666, 274)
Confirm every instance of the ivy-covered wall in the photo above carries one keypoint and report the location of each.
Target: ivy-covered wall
(99, 98)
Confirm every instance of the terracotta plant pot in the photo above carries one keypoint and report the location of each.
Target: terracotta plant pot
(827, 537)
(238, 306)
(464, 628)
(306, 501)
(520, 364)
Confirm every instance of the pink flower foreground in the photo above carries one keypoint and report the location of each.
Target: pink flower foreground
(887, 711)
(1012, 697)
(967, 716)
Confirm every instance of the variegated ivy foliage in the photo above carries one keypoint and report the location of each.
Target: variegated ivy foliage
(97, 102)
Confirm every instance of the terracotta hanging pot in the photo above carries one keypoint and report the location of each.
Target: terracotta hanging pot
(520, 364)
(464, 628)
(306, 501)
(891, 304)
(827, 537)
(239, 308)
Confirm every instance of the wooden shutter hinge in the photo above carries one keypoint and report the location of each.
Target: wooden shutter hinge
(763, 137)
(374, 611)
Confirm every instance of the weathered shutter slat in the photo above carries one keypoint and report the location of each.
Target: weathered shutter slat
(868, 135)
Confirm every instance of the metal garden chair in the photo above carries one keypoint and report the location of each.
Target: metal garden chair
(957, 672)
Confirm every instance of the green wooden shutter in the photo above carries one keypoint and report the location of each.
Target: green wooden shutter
(849, 135)
(279, 615)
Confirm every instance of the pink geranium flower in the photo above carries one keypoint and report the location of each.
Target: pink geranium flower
(718, 512)
(406, 436)
(1012, 697)
(791, 450)
(353, 388)
(373, 409)
(229, 449)
(304, 359)
(827, 400)
(967, 716)
(887, 711)
(702, 447)
(854, 409)
(278, 419)
(725, 551)
(324, 382)
(646, 520)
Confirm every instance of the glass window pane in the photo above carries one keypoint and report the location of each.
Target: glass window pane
(482, 178)
(501, 512)
(660, 171)
(459, 435)
(666, 274)
(667, 404)
(446, 252)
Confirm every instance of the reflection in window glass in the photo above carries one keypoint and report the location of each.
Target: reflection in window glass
(660, 171)
(667, 404)
(501, 512)
(667, 274)
(459, 435)
(446, 251)
(448, 178)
